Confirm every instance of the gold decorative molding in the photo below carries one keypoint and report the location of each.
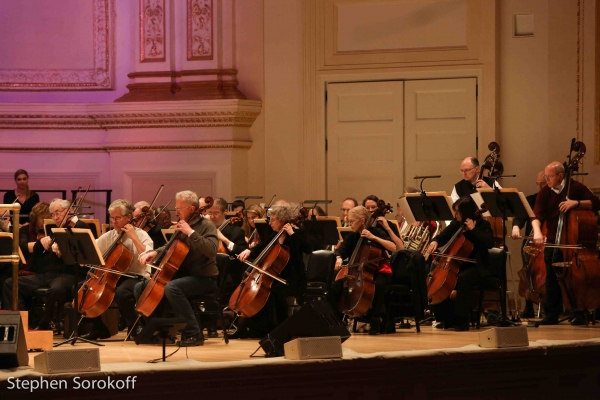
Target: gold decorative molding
(207, 113)
(152, 30)
(100, 77)
(200, 29)
(108, 149)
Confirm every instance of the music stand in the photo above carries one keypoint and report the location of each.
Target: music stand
(160, 328)
(504, 203)
(263, 228)
(322, 232)
(6, 243)
(78, 247)
(167, 233)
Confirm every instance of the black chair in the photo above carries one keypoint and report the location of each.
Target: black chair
(406, 296)
(210, 304)
(319, 273)
(496, 284)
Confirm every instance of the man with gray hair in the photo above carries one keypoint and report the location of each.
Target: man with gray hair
(155, 232)
(197, 275)
(136, 241)
(49, 268)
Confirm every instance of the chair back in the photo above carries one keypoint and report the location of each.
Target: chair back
(94, 225)
(320, 267)
(222, 265)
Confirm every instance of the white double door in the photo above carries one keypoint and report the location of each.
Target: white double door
(380, 135)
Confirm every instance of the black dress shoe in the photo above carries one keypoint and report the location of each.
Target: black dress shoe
(461, 327)
(579, 320)
(195, 340)
(549, 321)
(212, 332)
(95, 335)
(43, 327)
(527, 313)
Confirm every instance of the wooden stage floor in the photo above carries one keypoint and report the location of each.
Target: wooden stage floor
(215, 350)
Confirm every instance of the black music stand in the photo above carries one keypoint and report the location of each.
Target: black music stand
(263, 228)
(78, 247)
(426, 207)
(322, 232)
(504, 203)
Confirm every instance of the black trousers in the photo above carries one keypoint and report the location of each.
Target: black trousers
(59, 284)
(553, 300)
(126, 300)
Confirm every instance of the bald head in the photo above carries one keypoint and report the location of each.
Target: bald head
(540, 180)
(554, 174)
(556, 167)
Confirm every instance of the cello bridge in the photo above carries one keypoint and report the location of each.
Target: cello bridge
(563, 264)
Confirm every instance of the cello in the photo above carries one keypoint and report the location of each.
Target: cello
(441, 281)
(576, 237)
(167, 263)
(252, 293)
(359, 285)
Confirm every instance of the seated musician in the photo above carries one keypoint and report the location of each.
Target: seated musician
(550, 202)
(294, 274)
(164, 218)
(357, 218)
(253, 212)
(470, 168)
(238, 206)
(348, 204)
(370, 203)
(153, 226)
(135, 240)
(197, 273)
(49, 269)
(456, 312)
(232, 236)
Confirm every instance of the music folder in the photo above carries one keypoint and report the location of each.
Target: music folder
(507, 202)
(429, 206)
(77, 246)
(263, 228)
(167, 233)
(6, 243)
(322, 231)
(344, 231)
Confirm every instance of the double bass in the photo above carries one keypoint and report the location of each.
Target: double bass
(359, 285)
(576, 237)
(495, 168)
(167, 263)
(253, 292)
(442, 280)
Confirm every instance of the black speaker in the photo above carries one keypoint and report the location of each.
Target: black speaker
(13, 349)
(315, 318)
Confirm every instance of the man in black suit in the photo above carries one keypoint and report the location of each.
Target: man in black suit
(470, 168)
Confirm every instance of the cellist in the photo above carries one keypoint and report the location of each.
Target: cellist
(294, 274)
(135, 240)
(456, 313)
(550, 202)
(357, 219)
(197, 273)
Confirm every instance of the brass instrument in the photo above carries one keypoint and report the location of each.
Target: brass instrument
(417, 236)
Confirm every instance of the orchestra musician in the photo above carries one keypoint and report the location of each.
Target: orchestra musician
(357, 218)
(370, 203)
(550, 202)
(197, 274)
(519, 224)
(25, 197)
(456, 313)
(470, 169)
(164, 218)
(135, 240)
(49, 269)
(238, 206)
(294, 274)
(253, 212)
(348, 204)
(155, 232)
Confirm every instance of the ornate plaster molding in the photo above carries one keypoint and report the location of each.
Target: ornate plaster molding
(152, 30)
(108, 149)
(100, 77)
(200, 29)
(198, 113)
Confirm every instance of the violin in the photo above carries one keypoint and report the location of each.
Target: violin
(237, 218)
(441, 281)
(359, 285)
(167, 263)
(253, 292)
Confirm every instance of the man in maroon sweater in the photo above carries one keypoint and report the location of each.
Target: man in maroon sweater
(550, 202)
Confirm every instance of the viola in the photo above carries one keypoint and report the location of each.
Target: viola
(253, 292)
(441, 281)
(237, 218)
(167, 263)
(359, 285)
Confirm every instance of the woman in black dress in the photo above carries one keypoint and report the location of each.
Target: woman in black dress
(25, 197)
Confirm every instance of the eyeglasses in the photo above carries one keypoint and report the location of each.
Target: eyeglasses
(351, 221)
(464, 171)
(345, 209)
(215, 214)
(116, 219)
(181, 208)
(57, 213)
(549, 176)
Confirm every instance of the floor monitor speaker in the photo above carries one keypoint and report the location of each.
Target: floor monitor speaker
(13, 349)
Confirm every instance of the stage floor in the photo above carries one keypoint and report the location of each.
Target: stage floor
(215, 350)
